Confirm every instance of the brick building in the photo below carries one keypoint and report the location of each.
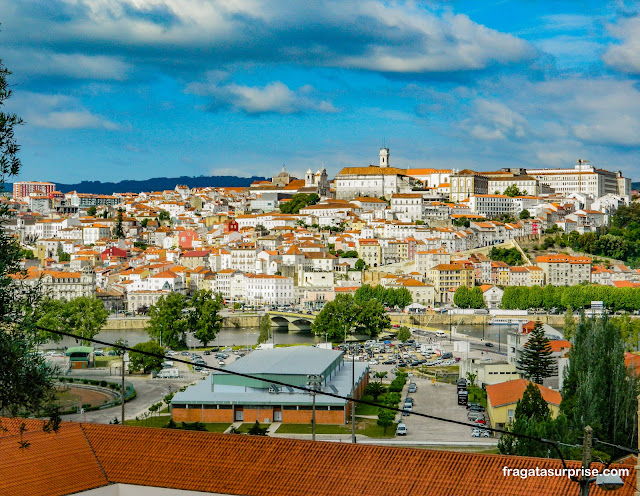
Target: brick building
(228, 398)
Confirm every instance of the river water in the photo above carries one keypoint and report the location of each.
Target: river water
(243, 336)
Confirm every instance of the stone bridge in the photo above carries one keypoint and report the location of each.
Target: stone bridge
(291, 320)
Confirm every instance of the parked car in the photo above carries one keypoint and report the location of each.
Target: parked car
(476, 408)
(401, 430)
(409, 399)
(412, 387)
(488, 345)
(480, 433)
(406, 409)
(469, 405)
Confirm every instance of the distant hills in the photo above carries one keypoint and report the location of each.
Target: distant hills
(635, 185)
(153, 184)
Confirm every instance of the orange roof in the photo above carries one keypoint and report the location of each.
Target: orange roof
(559, 258)
(509, 392)
(233, 464)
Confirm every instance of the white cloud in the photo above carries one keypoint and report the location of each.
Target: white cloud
(57, 112)
(625, 56)
(492, 120)
(77, 66)
(395, 37)
(275, 97)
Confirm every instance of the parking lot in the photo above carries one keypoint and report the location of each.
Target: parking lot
(441, 401)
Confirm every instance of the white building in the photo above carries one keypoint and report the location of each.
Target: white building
(262, 289)
(374, 180)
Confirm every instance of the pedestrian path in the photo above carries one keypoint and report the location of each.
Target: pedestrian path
(273, 427)
(235, 424)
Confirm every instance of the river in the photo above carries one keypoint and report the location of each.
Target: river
(243, 336)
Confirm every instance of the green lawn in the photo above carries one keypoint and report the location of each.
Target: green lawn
(369, 409)
(370, 429)
(159, 421)
(163, 420)
(103, 361)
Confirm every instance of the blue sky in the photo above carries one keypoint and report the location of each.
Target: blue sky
(131, 89)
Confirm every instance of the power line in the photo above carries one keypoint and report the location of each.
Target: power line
(550, 442)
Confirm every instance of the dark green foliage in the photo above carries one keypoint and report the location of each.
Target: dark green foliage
(510, 256)
(375, 389)
(403, 334)
(204, 315)
(164, 216)
(512, 191)
(386, 418)
(256, 430)
(195, 426)
(525, 214)
(91, 211)
(462, 298)
(265, 329)
(598, 389)
(168, 323)
(344, 315)
(298, 201)
(536, 362)
(398, 383)
(360, 265)
(147, 363)
(389, 297)
(118, 230)
(349, 254)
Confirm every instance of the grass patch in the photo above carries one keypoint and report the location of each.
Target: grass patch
(104, 361)
(306, 429)
(367, 428)
(163, 420)
(164, 410)
(373, 410)
(159, 421)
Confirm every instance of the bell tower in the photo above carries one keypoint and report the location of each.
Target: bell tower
(384, 157)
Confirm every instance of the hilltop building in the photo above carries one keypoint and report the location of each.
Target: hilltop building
(375, 180)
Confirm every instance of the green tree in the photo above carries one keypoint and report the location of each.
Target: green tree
(91, 211)
(599, 390)
(372, 318)
(164, 216)
(299, 201)
(337, 318)
(512, 191)
(462, 298)
(169, 320)
(569, 324)
(403, 297)
(524, 214)
(265, 329)
(144, 223)
(85, 316)
(360, 265)
(476, 300)
(404, 334)
(349, 254)
(536, 362)
(147, 363)
(375, 389)
(27, 254)
(26, 384)
(118, 230)
(204, 316)
(386, 418)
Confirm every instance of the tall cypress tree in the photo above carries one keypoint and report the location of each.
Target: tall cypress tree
(536, 361)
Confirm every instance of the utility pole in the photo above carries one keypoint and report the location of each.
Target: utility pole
(353, 393)
(314, 381)
(122, 390)
(586, 460)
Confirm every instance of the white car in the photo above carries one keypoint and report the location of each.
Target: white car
(373, 362)
(479, 433)
(401, 430)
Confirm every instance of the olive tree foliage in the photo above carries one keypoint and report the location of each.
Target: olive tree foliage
(26, 384)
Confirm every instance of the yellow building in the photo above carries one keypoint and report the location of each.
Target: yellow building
(369, 250)
(503, 397)
(446, 277)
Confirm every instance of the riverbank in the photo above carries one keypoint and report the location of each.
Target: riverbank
(136, 323)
